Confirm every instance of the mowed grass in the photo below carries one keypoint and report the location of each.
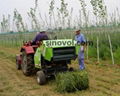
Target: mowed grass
(104, 79)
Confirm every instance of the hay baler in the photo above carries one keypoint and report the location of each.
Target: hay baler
(47, 59)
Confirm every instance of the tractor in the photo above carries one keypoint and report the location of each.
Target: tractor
(47, 58)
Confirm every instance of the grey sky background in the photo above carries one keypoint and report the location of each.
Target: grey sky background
(23, 6)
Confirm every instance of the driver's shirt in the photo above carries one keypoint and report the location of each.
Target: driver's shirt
(40, 36)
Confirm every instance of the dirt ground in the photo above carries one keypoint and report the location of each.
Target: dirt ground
(104, 80)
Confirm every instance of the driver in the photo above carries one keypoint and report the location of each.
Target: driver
(39, 37)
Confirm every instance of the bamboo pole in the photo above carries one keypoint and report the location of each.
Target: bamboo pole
(98, 54)
(87, 51)
(111, 50)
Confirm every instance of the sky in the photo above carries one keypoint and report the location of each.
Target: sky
(7, 6)
(23, 6)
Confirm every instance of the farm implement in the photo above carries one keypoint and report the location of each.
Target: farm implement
(46, 58)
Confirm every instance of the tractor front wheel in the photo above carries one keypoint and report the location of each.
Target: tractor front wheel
(27, 64)
(41, 78)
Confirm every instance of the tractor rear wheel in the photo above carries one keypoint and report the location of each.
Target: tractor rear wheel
(27, 64)
(41, 78)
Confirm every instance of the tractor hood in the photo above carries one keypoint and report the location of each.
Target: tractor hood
(59, 43)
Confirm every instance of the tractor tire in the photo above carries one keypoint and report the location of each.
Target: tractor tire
(41, 78)
(27, 64)
(18, 66)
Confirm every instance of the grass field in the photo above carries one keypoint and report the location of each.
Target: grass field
(104, 79)
(102, 59)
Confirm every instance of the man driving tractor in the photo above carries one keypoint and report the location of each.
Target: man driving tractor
(38, 41)
(39, 37)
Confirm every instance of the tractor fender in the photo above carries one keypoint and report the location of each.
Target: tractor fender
(27, 49)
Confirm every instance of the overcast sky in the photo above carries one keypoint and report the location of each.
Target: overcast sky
(7, 6)
(23, 6)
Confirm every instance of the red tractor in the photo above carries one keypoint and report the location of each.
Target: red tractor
(25, 60)
(46, 59)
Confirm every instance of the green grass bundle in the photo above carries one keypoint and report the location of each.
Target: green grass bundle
(72, 81)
